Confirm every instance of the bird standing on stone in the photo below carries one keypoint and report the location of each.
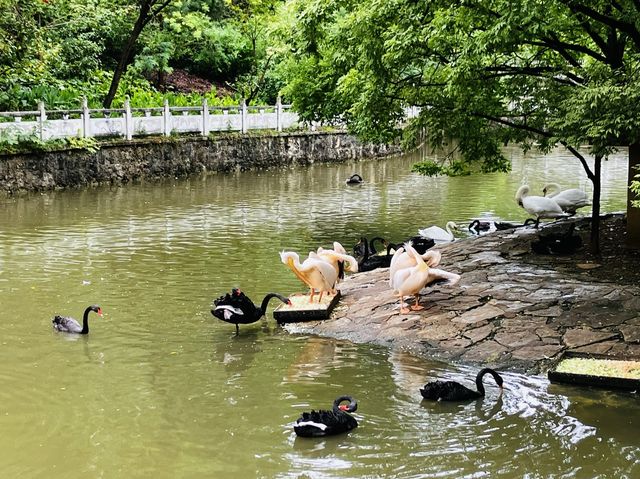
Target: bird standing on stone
(569, 200)
(539, 206)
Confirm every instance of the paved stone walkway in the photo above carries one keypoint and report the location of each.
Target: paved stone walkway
(505, 312)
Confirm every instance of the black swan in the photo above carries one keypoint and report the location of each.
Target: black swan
(561, 243)
(477, 227)
(453, 391)
(363, 243)
(326, 423)
(419, 243)
(70, 325)
(355, 179)
(369, 260)
(236, 308)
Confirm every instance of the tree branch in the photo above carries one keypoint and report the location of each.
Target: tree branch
(614, 23)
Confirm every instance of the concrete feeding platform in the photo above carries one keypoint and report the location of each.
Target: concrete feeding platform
(599, 370)
(302, 310)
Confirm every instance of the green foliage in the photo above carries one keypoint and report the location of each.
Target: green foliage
(635, 187)
(485, 72)
(17, 141)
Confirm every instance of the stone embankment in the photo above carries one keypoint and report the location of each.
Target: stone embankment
(121, 161)
(511, 309)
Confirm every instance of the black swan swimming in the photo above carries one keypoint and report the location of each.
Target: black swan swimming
(327, 423)
(66, 324)
(368, 259)
(355, 179)
(236, 308)
(453, 391)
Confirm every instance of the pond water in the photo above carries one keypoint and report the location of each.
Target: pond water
(160, 388)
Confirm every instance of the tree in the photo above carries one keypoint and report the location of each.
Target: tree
(147, 11)
(485, 72)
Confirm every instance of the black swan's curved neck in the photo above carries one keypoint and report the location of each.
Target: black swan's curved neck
(481, 374)
(85, 320)
(268, 297)
(352, 407)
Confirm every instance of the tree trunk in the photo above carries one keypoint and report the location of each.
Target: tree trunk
(126, 56)
(633, 214)
(595, 215)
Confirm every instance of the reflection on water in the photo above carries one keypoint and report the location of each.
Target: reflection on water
(161, 389)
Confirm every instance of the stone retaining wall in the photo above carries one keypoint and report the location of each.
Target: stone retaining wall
(126, 161)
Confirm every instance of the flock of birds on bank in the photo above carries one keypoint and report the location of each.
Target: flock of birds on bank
(411, 267)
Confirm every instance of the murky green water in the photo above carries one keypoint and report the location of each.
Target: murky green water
(161, 389)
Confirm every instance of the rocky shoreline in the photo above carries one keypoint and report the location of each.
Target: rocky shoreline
(512, 309)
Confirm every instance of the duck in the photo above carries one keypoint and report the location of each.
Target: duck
(438, 234)
(66, 324)
(354, 179)
(236, 308)
(539, 206)
(569, 200)
(327, 423)
(315, 272)
(560, 243)
(410, 280)
(369, 260)
(454, 391)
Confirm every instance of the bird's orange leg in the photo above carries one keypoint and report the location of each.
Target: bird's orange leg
(416, 306)
(311, 293)
(403, 309)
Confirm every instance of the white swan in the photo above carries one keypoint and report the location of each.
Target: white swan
(538, 206)
(316, 273)
(437, 234)
(569, 200)
(412, 279)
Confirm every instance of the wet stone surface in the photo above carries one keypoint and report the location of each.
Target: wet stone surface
(509, 311)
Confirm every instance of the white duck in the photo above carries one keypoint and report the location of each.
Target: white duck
(538, 206)
(315, 272)
(569, 200)
(412, 279)
(438, 234)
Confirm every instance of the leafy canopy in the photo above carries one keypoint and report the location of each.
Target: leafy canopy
(550, 71)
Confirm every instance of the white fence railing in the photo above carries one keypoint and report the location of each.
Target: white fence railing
(128, 122)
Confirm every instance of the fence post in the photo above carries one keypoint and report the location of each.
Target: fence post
(243, 111)
(86, 119)
(279, 114)
(205, 117)
(41, 119)
(166, 117)
(128, 119)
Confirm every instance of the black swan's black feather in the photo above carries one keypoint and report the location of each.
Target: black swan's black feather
(453, 391)
(327, 423)
(367, 256)
(236, 307)
(66, 324)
